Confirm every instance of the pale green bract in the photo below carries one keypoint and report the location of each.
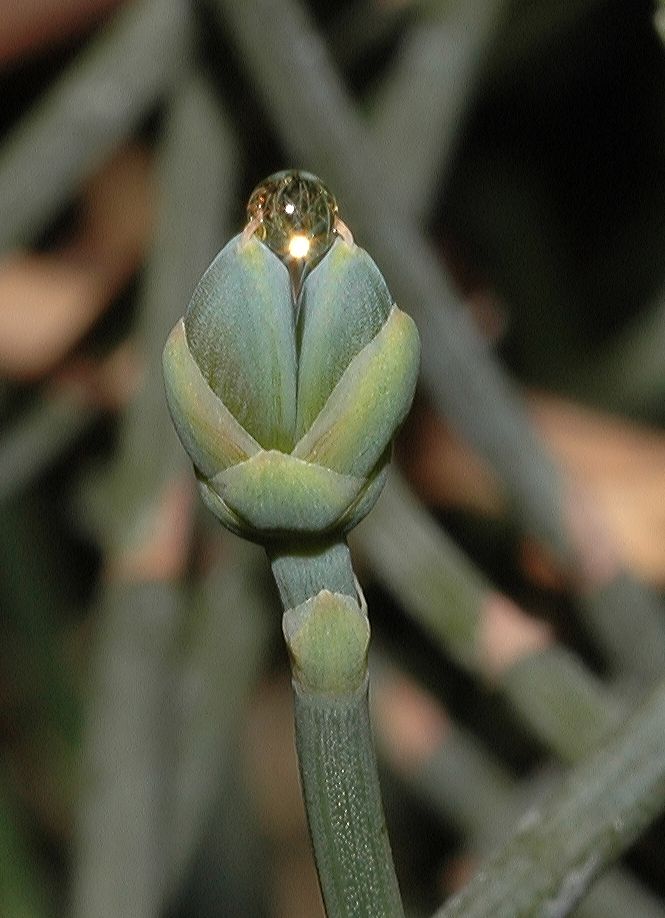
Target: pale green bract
(288, 424)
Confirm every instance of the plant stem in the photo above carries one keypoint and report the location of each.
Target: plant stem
(302, 572)
(561, 702)
(40, 436)
(119, 858)
(327, 633)
(125, 865)
(420, 107)
(601, 808)
(224, 648)
(466, 786)
(343, 802)
(89, 111)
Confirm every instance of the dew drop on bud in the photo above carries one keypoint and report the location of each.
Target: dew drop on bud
(294, 215)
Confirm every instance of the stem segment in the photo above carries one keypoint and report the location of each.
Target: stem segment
(343, 802)
(302, 571)
(602, 806)
(327, 633)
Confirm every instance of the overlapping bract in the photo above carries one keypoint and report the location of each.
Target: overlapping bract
(289, 425)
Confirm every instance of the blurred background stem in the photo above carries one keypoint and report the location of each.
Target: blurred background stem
(89, 111)
(600, 809)
(125, 863)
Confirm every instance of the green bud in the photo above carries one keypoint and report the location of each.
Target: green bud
(345, 303)
(239, 329)
(289, 423)
(327, 637)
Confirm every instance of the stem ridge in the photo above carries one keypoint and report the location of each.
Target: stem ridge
(343, 802)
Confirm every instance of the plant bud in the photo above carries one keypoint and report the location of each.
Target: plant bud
(290, 374)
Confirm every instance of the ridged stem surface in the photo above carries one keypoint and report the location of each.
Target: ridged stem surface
(343, 802)
(602, 807)
(327, 633)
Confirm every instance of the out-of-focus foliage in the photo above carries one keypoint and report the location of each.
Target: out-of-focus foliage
(504, 163)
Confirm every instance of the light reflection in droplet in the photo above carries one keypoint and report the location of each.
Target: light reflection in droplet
(298, 246)
(294, 214)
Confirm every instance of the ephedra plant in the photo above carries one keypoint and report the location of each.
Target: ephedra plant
(287, 380)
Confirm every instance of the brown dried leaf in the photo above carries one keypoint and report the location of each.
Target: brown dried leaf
(49, 301)
(33, 25)
(615, 503)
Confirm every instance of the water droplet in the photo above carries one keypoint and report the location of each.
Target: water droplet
(294, 214)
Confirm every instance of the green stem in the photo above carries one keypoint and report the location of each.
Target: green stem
(124, 865)
(343, 802)
(602, 807)
(301, 572)
(40, 436)
(567, 707)
(88, 112)
(417, 116)
(327, 633)
(466, 786)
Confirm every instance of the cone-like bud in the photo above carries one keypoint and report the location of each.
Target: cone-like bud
(289, 422)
